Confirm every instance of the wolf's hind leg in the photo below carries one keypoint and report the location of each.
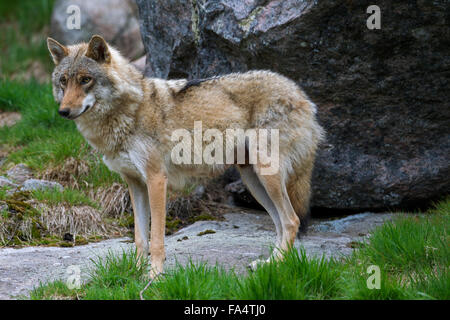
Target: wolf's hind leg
(258, 191)
(276, 189)
(141, 210)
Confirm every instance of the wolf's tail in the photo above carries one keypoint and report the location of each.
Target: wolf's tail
(299, 191)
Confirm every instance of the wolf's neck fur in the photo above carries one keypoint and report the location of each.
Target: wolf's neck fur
(114, 121)
(130, 97)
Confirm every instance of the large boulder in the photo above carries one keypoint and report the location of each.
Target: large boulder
(383, 95)
(115, 20)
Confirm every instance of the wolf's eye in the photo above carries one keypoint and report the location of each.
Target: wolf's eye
(63, 81)
(85, 80)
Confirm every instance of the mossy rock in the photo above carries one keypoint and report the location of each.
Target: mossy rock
(65, 244)
(208, 231)
(22, 209)
(49, 241)
(202, 217)
(21, 196)
(23, 224)
(95, 238)
(126, 221)
(79, 241)
(172, 225)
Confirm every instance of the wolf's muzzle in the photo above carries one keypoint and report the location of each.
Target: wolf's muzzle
(64, 113)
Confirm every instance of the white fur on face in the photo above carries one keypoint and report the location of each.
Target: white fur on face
(59, 96)
(88, 102)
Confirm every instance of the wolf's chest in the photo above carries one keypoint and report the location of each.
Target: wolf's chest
(123, 164)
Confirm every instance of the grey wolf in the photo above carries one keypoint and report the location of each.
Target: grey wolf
(129, 119)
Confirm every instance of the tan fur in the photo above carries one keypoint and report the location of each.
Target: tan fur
(133, 122)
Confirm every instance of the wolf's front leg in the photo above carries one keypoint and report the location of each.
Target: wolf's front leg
(157, 188)
(141, 209)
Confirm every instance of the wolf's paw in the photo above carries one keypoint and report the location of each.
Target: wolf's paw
(252, 266)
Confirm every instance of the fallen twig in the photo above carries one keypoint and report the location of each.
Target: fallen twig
(149, 283)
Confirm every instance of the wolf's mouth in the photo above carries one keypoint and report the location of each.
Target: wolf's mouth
(86, 109)
(82, 112)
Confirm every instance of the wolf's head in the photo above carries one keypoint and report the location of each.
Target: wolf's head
(80, 80)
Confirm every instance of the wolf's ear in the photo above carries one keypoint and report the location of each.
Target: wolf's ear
(98, 50)
(57, 50)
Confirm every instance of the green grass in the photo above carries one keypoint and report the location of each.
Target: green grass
(53, 197)
(408, 270)
(42, 139)
(55, 290)
(67, 196)
(413, 251)
(194, 281)
(31, 15)
(22, 40)
(297, 277)
(410, 244)
(40, 125)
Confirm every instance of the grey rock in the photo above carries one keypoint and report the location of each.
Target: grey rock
(381, 94)
(36, 184)
(5, 182)
(355, 224)
(241, 196)
(19, 173)
(115, 20)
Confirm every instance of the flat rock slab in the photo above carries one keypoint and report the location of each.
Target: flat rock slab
(241, 238)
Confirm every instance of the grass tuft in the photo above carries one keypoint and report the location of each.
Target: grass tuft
(195, 282)
(69, 197)
(296, 277)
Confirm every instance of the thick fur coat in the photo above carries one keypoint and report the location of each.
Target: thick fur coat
(131, 119)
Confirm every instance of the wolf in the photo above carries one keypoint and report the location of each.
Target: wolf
(130, 119)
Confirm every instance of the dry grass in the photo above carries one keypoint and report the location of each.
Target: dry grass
(114, 200)
(68, 173)
(33, 222)
(76, 220)
(8, 230)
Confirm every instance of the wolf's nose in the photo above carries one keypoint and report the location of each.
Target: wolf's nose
(64, 112)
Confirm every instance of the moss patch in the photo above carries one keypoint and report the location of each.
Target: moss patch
(207, 231)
